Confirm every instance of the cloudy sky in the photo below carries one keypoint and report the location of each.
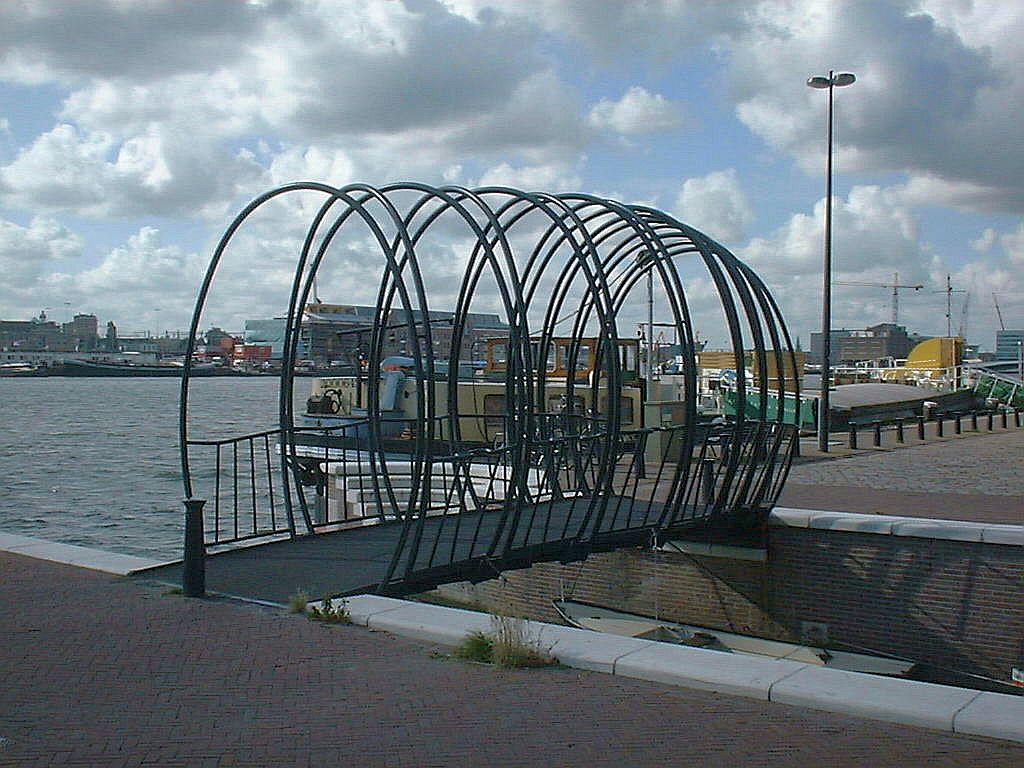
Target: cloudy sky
(132, 131)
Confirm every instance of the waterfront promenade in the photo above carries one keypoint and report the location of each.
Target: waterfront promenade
(100, 670)
(974, 476)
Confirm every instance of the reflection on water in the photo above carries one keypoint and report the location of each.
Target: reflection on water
(95, 461)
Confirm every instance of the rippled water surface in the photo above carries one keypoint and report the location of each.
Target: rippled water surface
(95, 461)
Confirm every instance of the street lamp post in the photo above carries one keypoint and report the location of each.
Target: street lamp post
(831, 82)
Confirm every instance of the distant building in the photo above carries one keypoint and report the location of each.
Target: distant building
(266, 333)
(340, 334)
(872, 343)
(37, 334)
(1008, 344)
(83, 332)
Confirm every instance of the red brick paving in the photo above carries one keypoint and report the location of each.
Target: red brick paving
(102, 671)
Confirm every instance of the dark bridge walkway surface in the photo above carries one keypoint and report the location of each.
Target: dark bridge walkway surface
(103, 671)
(356, 560)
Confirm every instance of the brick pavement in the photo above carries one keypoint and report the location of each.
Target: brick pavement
(977, 477)
(102, 671)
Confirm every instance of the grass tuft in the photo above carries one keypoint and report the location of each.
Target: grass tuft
(514, 647)
(509, 644)
(297, 603)
(476, 646)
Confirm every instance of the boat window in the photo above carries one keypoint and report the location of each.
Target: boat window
(629, 358)
(494, 411)
(557, 404)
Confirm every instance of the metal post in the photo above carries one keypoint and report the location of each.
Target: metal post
(957, 428)
(920, 427)
(899, 430)
(990, 417)
(650, 333)
(853, 435)
(938, 425)
(1003, 413)
(193, 572)
(1016, 417)
(878, 433)
(826, 290)
(974, 421)
(707, 481)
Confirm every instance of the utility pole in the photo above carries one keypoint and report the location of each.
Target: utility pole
(950, 290)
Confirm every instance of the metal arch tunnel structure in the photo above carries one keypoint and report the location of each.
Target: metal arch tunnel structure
(562, 481)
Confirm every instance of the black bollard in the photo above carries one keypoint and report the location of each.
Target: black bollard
(877, 425)
(899, 430)
(938, 425)
(1003, 412)
(1016, 417)
(853, 435)
(957, 428)
(920, 427)
(974, 421)
(989, 422)
(193, 572)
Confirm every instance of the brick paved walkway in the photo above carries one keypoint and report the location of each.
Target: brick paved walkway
(102, 671)
(977, 477)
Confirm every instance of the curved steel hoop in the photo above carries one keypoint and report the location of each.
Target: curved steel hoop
(577, 461)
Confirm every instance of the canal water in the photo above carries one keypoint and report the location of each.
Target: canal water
(95, 461)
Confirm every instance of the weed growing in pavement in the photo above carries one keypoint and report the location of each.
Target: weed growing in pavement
(329, 613)
(509, 644)
(476, 646)
(515, 647)
(297, 603)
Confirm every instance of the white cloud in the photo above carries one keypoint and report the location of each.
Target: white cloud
(983, 244)
(160, 172)
(28, 253)
(548, 178)
(716, 205)
(1013, 244)
(638, 111)
(929, 100)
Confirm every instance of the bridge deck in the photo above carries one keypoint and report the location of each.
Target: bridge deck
(355, 560)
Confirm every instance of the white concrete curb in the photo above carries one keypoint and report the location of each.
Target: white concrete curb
(892, 525)
(927, 705)
(71, 554)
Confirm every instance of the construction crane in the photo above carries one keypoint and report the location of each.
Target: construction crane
(895, 285)
(999, 314)
(962, 331)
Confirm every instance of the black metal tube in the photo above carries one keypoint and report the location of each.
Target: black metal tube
(938, 425)
(193, 572)
(957, 426)
(877, 428)
(974, 421)
(920, 427)
(989, 420)
(899, 431)
(853, 435)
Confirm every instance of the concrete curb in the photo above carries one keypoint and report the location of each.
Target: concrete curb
(892, 525)
(926, 705)
(71, 554)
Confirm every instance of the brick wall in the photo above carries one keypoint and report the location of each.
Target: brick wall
(946, 603)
